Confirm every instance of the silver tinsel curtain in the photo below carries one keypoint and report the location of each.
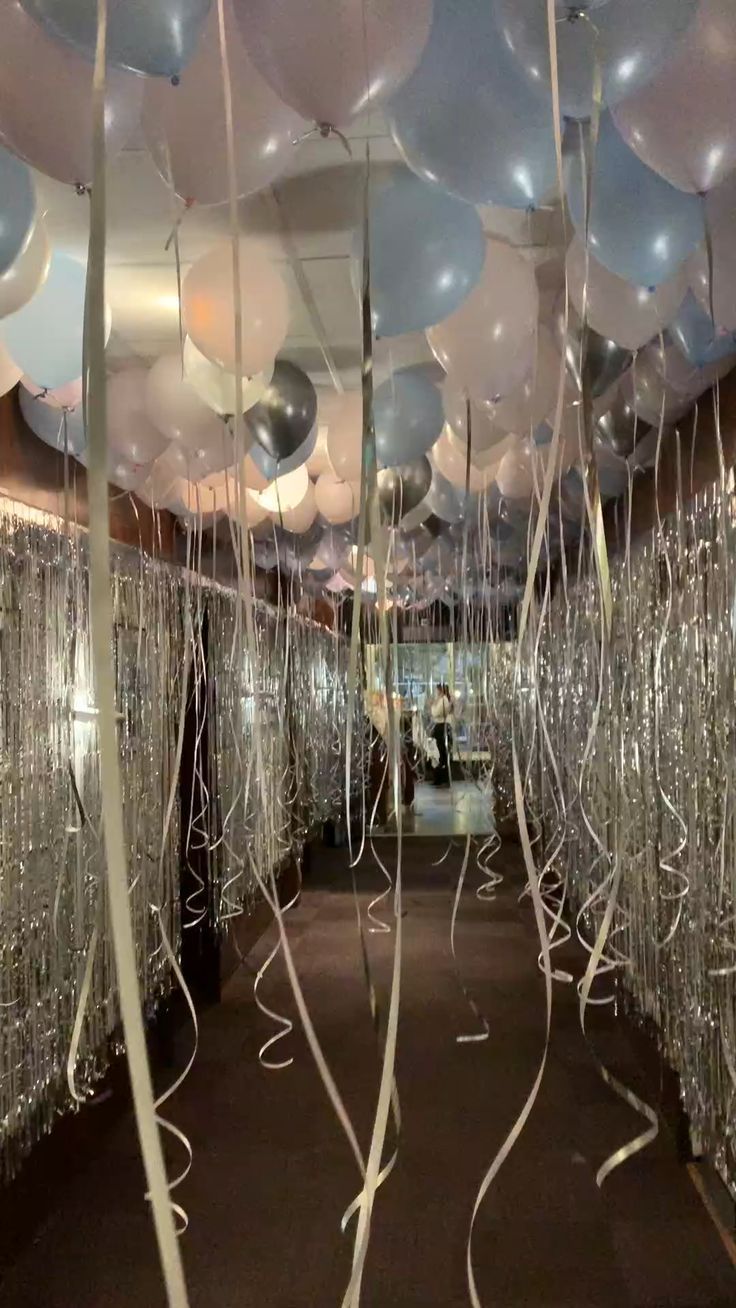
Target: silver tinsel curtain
(55, 952)
(59, 1017)
(651, 789)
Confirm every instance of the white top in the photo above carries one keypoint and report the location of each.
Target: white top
(441, 709)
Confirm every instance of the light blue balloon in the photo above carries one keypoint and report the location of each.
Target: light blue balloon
(631, 39)
(278, 467)
(45, 337)
(157, 37)
(694, 334)
(408, 416)
(426, 250)
(17, 207)
(47, 422)
(468, 119)
(641, 228)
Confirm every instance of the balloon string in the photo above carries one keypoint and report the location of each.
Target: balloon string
(104, 677)
(476, 1036)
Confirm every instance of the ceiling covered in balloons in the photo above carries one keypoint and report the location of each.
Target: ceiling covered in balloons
(549, 291)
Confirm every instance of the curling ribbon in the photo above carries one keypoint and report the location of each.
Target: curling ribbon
(476, 1036)
(245, 594)
(102, 645)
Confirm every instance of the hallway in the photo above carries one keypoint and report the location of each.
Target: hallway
(272, 1173)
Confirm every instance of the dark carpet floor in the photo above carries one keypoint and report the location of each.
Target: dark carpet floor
(272, 1173)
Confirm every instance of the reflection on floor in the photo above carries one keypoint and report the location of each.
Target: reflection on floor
(456, 810)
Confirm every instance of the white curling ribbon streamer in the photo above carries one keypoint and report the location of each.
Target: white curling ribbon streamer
(102, 645)
(245, 592)
(475, 1036)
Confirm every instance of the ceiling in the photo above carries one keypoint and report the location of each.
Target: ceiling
(317, 204)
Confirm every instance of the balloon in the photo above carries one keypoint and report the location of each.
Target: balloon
(445, 500)
(319, 459)
(272, 468)
(10, 373)
(535, 398)
(208, 307)
(692, 330)
(644, 389)
(484, 430)
(720, 205)
(198, 465)
(17, 208)
(599, 363)
(331, 62)
(403, 488)
(520, 471)
(285, 492)
(486, 346)
(19, 283)
(130, 432)
(332, 551)
(345, 434)
(613, 471)
(121, 472)
(68, 396)
(687, 378)
(408, 418)
(45, 336)
(48, 423)
(467, 121)
(338, 501)
(38, 76)
(621, 427)
(302, 516)
(427, 250)
(683, 124)
(450, 458)
(630, 39)
(629, 315)
(283, 418)
(126, 475)
(216, 386)
(641, 228)
(189, 147)
(175, 408)
(157, 39)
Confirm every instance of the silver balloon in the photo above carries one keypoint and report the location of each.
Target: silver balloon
(283, 418)
(603, 361)
(620, 428)
(402, 488)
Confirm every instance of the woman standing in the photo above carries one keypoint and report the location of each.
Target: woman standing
(442, 719)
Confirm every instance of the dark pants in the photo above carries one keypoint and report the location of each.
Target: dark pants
(443, 737)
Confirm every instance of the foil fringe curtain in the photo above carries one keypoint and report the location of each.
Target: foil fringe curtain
(54, 936)
(658, 792)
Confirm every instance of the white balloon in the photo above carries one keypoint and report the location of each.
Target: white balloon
(47, 423)
(175, 408)
(338, 501)
(197, 465)
(285, 492)
(216, 387)
(10, 373)
(19, 282)
(300, 518)
(345, 435)
(130, 433)
(319, 459)
(451, 458)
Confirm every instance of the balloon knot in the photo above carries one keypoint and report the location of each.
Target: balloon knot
(175, 80)
(82, 189)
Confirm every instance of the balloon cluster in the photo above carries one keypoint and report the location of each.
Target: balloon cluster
(648, 97)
